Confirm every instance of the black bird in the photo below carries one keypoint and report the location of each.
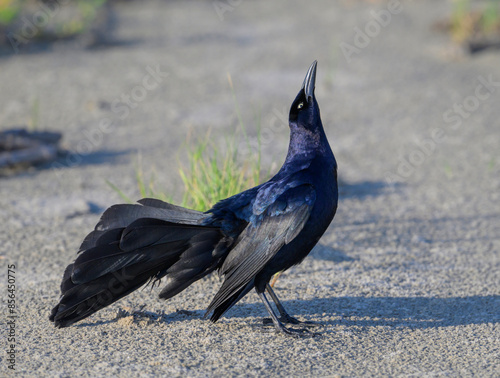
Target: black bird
(247, 237)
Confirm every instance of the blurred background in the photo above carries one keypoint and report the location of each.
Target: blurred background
(110, 101)
(137, 84)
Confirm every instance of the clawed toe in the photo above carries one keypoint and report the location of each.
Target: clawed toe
(291, 320)
(267, 321)
(308, 323)
(284, 318)
(299, 332)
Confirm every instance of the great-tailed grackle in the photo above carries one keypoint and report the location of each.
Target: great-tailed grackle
(248, 237)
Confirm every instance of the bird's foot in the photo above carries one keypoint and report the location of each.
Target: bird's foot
(287, 319)
(297, 332)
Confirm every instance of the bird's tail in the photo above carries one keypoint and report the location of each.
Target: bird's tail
(131, 246)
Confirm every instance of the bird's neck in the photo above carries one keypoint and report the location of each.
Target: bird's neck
(306, 144)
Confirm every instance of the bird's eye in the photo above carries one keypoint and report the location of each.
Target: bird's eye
(300, 106)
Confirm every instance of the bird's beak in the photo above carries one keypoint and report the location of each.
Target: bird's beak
(310, 81)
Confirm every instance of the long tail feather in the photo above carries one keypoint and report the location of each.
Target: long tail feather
(132, 245)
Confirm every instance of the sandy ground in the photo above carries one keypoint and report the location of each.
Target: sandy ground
(405, 281)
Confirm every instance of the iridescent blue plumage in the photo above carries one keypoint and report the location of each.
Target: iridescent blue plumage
(248, 237)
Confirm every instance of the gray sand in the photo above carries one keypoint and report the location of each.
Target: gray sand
(405, 281)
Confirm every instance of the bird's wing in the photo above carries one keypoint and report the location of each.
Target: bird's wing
(276, 226)
(269, 192)
(117, 217)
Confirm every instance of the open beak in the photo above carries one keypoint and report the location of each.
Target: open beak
(309, 81)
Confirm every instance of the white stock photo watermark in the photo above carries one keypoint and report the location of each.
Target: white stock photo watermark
(38, 21)
(222, 7)
(482, 92)
(453, 117)
(277, 123)
(379, 20)
(121, 106)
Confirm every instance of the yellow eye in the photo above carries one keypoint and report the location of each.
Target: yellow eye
(300, 106)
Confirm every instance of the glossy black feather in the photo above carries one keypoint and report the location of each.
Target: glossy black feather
(248, 237)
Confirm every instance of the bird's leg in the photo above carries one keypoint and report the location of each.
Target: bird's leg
(284, 317)
(275, 278)
(279, 325)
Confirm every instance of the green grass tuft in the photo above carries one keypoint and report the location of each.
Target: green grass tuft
(213, 176)
(212, 173)
(9, 10)
(466, 22)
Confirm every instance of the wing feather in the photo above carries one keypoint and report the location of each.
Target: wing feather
(259, 242)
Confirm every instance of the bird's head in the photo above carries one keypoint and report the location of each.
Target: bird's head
(304, 113)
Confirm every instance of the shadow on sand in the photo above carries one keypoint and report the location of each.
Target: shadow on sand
(411, 312)
(364, 188)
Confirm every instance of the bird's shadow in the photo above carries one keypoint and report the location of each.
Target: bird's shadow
(406, 312)
(395, 312)
(327, 253)
(364, 189)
